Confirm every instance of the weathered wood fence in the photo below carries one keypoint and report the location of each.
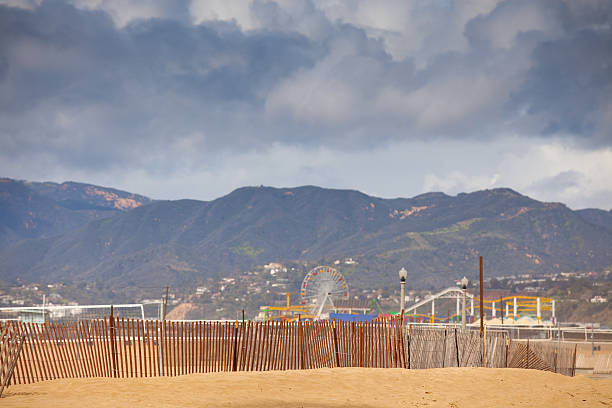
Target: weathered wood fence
(450, 347)
(123, 348)
(11, 343)
(543, 355)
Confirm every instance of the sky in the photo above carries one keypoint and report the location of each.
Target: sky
(192, 99)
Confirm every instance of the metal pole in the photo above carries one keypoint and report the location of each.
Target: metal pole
(457, 313)
(433, 311)
(402, 296)
(463, 312)
(553, 311)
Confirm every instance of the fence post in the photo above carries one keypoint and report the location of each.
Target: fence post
(235, 362)
(111, 321)
(336, 343)
(528, 354)
(558, 343)
(444, 348)
(361, 345)
(408, 335)
(484, 344)
(507, 347)
(574, 361)
(457, 348)
(301, 342)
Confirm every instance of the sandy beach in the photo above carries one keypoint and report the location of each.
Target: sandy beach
(341, 387)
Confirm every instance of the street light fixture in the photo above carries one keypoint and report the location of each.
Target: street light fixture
(402, 275)
(464, 285)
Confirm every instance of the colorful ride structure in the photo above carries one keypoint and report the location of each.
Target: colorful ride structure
(324, 292)
(286, 313)
(321, 288)
(513, 309)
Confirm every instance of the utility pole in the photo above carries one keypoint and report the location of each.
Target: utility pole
(165, 305)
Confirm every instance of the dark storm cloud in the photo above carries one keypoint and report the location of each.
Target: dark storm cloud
(55, 51)
(80, 89)
(570, 86)
(71, 53)
(71, 81)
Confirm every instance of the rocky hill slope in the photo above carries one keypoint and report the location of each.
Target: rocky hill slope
(38, 210)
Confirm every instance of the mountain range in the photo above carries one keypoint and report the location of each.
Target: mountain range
(39, 210)
(77, 232)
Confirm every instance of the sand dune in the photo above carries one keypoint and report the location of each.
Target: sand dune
(340, 387)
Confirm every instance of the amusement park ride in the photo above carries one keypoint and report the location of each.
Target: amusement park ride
(321, 287)
(324, 286)
(515, 309)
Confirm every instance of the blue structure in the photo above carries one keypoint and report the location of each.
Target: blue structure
(348, 317)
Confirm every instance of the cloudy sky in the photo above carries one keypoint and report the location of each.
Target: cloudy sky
(191, 99)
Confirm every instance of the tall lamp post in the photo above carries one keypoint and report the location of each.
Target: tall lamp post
(402, 275)
(464, 284)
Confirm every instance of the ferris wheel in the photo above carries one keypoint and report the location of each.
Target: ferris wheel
(321, 285)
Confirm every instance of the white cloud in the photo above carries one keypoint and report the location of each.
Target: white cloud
(544, 170)
(222, 10)
(457, 182)
(548, 160)
(25, 4)
(417, 29)
(502, 26)
(123, 12)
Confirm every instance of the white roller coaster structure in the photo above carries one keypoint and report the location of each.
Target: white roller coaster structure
(515, 305)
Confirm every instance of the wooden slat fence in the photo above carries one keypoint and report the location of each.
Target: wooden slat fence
(543, 355)
(123, 348)
(451, 347)
(11, 344)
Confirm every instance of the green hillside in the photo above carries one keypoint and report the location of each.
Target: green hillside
(435, 236)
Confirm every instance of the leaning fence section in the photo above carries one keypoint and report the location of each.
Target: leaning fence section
(11, 344)
(122, 348)
(543, 355)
